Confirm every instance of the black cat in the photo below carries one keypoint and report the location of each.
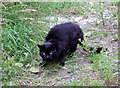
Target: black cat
(61, 39)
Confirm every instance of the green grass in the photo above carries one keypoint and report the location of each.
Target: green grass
(19, 39)
(96, 83)
(85, 81)
(73, 68)
(106, 67)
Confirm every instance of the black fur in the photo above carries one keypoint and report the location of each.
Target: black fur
(61, 39)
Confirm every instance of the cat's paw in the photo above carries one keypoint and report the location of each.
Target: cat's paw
(62, 63)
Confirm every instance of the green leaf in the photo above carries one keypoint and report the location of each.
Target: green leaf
(19, 64)
(34, 70)
(28, 65)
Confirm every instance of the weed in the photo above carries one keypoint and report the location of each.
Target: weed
(73, 68)
(10, 68)
(115, 37)
(94, 58)
(96, 83)
(104, 64)
(106, 34)
(114, 12)
(81, 83)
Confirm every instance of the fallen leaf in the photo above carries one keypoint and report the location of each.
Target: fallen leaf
(19, 64)
(34, 70)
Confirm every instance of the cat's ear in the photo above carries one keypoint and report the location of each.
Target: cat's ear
(39, 46)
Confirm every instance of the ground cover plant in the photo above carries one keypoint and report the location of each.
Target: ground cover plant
(25, 24)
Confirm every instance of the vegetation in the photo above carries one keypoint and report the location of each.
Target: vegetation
(25, 24)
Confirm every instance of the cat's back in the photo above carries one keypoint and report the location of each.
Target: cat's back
(63, 30)
(65, 27)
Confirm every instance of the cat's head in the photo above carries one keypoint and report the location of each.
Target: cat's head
(48, 51)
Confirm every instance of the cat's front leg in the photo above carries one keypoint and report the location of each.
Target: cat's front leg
(62, 62)
(61, 58)
(61, 52)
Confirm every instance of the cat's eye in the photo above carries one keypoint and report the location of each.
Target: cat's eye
(50, 53)
(43, 53)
